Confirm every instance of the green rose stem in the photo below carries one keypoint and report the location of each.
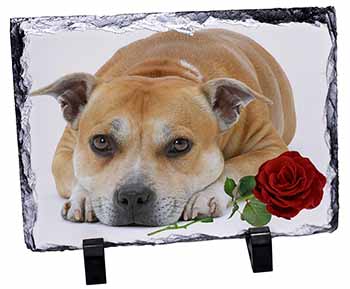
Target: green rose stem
(242, 199)
(234, 203)
(176, 226)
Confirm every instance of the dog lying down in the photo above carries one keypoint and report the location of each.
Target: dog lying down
(151, 137)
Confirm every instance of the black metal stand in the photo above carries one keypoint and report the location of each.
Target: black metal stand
(259, 243)
(94, 260)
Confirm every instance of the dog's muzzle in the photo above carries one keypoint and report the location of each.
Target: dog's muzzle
(134, 201)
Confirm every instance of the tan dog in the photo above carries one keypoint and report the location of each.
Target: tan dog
(153, 134)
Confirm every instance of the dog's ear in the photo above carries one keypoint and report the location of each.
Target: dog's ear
(227, 96)
(72, 92)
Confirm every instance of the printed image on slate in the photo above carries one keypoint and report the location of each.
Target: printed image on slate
(167, 127)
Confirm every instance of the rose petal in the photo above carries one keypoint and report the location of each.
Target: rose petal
(286, 189)
(286, 213)
(317, 193)
(287, 174)
(267, 197)
(273, 166)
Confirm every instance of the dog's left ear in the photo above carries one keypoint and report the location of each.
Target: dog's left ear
(227, 96)
(72, 92)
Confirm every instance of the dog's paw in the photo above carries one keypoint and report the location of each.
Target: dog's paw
(211, 202)
(79, 209)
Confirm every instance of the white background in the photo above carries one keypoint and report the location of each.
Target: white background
(318, 261)
(302, 50)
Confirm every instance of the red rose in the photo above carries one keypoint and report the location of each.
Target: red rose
(288, 184)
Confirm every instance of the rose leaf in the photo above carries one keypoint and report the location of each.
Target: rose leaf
(246, 185)
(229, 186)
(255, 213)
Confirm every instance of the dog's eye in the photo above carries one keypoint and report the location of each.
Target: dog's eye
(103, 145)
(178, 147)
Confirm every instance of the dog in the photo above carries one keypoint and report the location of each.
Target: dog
(152, 136)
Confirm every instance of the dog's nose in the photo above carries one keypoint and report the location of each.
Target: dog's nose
(133, 196)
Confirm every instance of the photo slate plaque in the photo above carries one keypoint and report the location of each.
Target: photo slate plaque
(170, 127)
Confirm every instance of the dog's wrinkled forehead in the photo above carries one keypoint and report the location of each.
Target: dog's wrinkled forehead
(120, 129)
(158, 130)
(162, 131)
(158, 105)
